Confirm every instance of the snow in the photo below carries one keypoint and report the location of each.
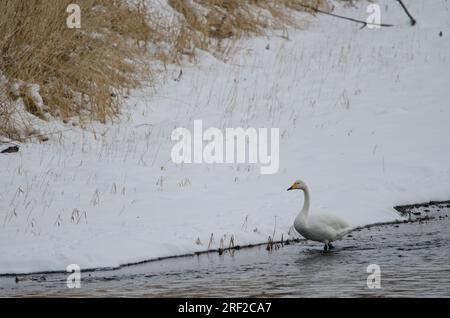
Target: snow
(363, 118)
(33, 91)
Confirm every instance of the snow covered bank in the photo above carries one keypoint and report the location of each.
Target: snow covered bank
(363, 118)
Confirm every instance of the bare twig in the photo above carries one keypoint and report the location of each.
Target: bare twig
(413, 21)
(364, 23)
(274, 228)
(244, 225)
(211, 240)
(231, 242)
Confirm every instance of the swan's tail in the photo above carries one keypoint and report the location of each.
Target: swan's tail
(346, 231)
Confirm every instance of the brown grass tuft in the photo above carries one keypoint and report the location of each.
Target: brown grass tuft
(214, 25)
(79, 71)
(235, 18)
(83, 72)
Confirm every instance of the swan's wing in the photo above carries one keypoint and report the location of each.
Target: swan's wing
(322, 227)
(318, 231)
(334, 222)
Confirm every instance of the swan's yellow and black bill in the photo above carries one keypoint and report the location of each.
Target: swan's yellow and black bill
(292, 187)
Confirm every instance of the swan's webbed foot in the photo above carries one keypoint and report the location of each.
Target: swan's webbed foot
(328, 247)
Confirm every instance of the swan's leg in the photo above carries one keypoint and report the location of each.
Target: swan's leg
(330, 246)
(326, 247)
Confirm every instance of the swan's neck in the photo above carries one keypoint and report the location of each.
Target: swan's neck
(305, 209)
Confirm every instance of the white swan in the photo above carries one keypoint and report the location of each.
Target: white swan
(320, 228)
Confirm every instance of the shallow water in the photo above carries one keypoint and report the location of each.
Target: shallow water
(414, 259)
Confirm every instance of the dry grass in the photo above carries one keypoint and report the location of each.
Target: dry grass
(79, 71)
(83, 72)
(235, 18)
(7, 127)
(208, 24)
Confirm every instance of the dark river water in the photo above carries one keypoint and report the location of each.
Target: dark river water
(413, 258)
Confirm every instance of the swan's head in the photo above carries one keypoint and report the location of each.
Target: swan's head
(298, 185)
